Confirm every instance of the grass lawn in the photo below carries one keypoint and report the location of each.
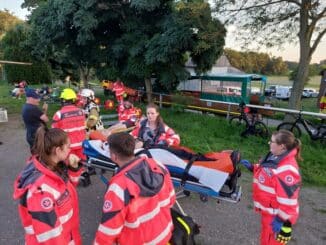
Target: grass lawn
(204, 133)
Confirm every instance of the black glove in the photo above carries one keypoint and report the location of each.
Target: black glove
(284, 236)
(282, 229)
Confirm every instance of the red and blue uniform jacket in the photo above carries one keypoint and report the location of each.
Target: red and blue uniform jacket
(276, 186)
(137, 205)
(72, 120)
(48, 204)
(163, 135)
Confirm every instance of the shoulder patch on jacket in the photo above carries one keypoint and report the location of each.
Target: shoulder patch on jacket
(289, 188)
(48, 218)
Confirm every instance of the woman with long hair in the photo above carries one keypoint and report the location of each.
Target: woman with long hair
(152, 131)
(48, 205)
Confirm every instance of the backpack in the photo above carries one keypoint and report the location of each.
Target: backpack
(185, 229)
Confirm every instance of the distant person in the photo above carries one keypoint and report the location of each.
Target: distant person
(119, 90)
(48, 203)
(276, 188)
(33, 116)
(152, 131)
(137, 203)
(91, 110)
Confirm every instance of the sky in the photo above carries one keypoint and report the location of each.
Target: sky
(289, 52)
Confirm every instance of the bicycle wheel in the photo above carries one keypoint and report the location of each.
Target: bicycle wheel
(261, 129)
(322, 133)
(236, 121)
(291, 127)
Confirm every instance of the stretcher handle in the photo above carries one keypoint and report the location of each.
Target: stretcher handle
(186, 171)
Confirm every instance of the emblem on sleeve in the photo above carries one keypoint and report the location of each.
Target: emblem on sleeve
(261, 179)
(46, 203)
(289, 179)
(107, 206)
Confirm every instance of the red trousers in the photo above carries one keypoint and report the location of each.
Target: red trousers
(267, 236)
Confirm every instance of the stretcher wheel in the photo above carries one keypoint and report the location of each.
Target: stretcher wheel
(203, 198)
(186, 193)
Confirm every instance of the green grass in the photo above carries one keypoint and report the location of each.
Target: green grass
(313, 82)
(204, 133)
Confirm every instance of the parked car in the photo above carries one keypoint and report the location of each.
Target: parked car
(271, 90)
(283, 92)
(309, 93)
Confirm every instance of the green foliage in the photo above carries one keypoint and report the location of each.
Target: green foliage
(134, 40)
(272, 23)
(7, 21)
(15, 48)
(253, 62)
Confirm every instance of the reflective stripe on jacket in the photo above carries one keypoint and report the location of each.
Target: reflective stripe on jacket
(137, 205)
(48, 205)
(72, 120)
(276, 186)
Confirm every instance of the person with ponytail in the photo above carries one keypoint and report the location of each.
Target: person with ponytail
(48, 203)
(276, 187)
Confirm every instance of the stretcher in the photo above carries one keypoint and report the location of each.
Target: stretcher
(214, 175)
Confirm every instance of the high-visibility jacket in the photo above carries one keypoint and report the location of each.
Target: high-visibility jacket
(48, 205)
(118, 88)
(276, 186)
(137, 205)
(92, 112)
(164, 134)
(72, 120)
(126, 114)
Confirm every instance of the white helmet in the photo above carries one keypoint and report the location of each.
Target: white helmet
(88, 93)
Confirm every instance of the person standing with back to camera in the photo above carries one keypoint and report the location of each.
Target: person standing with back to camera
(48, 202)
(276, 187)
(137, 204)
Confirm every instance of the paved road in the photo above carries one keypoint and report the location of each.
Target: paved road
(221, 223)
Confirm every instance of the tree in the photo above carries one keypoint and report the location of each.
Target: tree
(133, 40)
(61, 34)
(15, 48)
(272, 22)
(253, 62)
(7, 21)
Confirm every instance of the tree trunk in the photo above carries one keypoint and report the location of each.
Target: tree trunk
(149, 90)
(83, 73)
(304, 61)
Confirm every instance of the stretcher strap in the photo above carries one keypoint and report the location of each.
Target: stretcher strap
(144, 151)
(186, 171)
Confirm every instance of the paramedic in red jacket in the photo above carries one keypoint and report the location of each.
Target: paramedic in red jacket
(72, 120)
(153, 131)
(137, 203)
(48, 205)
(119, 89)
(276, 186)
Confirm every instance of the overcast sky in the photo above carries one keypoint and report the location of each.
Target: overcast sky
(289, 51)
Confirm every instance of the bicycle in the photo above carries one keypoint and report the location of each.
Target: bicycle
(316, 132)
(253, 124)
